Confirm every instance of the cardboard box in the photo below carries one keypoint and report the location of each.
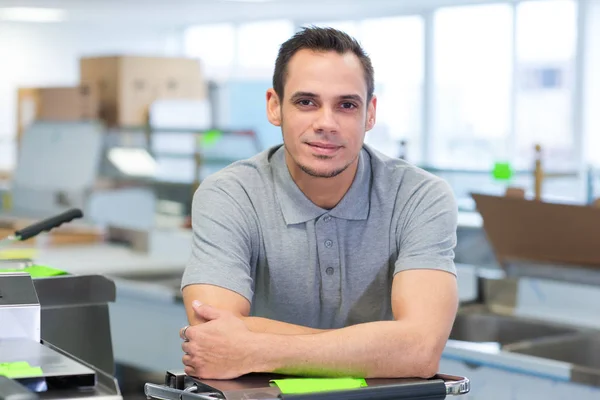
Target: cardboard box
(68, 103)
(127, 85)
(27, 105)
(524, 230)
(75, 103)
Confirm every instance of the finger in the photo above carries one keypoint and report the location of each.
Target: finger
(187, 360)
(189, 347)
(183, 332)
(205, 311)
(190, 371)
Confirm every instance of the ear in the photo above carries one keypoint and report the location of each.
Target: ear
(273, 107)
(371, 114)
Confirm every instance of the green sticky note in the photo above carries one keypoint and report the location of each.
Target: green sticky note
(37, 271)
(312, 385)
(502, 171)
(209, 138)
(19, 369)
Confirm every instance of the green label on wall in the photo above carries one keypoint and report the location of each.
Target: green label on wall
(210, 138)
(502, 171)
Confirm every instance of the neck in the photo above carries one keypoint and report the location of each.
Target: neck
(323, 192)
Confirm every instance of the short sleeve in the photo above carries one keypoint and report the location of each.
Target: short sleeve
(427, 225)
(221, 241)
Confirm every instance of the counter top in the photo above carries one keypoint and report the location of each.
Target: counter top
(108, 259)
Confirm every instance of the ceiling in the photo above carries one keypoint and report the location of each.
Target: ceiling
(181, 13)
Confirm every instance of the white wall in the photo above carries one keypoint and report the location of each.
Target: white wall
(46, 55)
(591, 83)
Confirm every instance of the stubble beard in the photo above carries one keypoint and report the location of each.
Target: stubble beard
(310, 171)
(320, 174)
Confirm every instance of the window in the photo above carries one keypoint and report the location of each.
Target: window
(591, 100)
(214, 45)
(258, 43)
(395, 46)
(7, 153)
(546, 46)
(472, 84)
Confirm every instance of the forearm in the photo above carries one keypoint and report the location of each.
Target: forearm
(378, 349)
(264, 325)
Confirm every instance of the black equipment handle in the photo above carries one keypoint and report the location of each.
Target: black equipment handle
(48, 224)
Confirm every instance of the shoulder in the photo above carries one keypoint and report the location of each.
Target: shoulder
(404, 182)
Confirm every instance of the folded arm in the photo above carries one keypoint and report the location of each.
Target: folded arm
(228, 300)
(424, 304)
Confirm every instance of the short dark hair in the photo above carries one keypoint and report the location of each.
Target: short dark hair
(320, 39)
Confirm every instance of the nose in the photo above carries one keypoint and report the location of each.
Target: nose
(325, 121)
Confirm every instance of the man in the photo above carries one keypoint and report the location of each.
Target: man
(322, 256)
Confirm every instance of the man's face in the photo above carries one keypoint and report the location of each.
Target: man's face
(324, 113)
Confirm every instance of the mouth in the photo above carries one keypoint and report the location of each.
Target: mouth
(323, 148)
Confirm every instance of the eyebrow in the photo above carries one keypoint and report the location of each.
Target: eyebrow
(354, 97)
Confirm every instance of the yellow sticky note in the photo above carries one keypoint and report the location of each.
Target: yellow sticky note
(18, 254)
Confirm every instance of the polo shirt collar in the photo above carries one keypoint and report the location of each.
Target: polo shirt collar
(297, 208)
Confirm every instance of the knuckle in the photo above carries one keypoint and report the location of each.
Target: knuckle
(190, 333)
(188, 360)
(194, 331)
(190, 350)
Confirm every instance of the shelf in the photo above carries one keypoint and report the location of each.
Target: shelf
(194, 131)
(557, 174)
(203, 159)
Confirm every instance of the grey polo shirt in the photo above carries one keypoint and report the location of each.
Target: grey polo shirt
(257, 234)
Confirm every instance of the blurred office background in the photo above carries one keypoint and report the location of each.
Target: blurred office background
(466, 84)
(122, 108)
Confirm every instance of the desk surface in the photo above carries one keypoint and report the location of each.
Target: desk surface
(469, 219)
(109, 259)
(119, 260)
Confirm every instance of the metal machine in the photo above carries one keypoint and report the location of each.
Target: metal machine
(179, 386)
(55, 337)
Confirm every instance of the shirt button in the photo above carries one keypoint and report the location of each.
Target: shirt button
(328, 243)
(329, 271)
(327, 218)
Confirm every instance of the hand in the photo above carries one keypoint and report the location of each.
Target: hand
(221, 348)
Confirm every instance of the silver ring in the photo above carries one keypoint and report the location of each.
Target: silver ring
(183, 333)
